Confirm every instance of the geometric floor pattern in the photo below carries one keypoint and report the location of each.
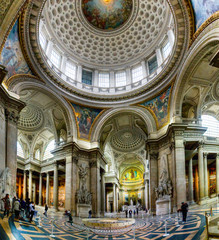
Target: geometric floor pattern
(146, 228)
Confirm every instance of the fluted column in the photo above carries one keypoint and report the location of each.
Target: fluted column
(55, 187)
(25, 186)
(114, 197)
(30, 185)
(201, 173)
(206, 174)
(190, 181)
(103, 197)
(146, 194)
(180, 168)
(217, 173)
(40, 189)
(47, 188)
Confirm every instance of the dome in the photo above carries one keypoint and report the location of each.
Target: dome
(106, 46)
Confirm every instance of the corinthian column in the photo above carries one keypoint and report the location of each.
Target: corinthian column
(217, 173)
(190, 181)
(55, 187)
(201, 173)
(30, 185)
(40, 189)
(25, 186)
(206, 174)
(47, 188)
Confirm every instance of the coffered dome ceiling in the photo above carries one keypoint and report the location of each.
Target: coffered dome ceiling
(104, 33)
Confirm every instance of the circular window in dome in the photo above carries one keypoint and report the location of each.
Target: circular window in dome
(107, 14)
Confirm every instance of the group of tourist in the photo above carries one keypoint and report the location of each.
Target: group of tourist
(129, 212)
(19, 207)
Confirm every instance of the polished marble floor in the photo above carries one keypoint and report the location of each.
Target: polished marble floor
(146, 227)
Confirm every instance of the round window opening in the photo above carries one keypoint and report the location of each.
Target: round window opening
(107, 14)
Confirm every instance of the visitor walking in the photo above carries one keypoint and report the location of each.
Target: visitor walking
(184, 209)
(90, 213)
(17, 208)
(130, 213)
(46, 209)
(7, 204)
(126, 213)
(137, 211)
(23, 208)
(27, 208)
(32, 210)
(13, 201)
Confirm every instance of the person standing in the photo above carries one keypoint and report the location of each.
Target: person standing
(46, 209)
(17, 208)
(184, 209)
(27, 207)
(32, 210)
(13, 201)
(7, 204)
(90, 213)
(126, 213)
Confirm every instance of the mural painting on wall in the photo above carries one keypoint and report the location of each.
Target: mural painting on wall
(203, 9)
(132, 176)
(159, 107)
(212, 181)
(11, 56)
(85, 117)
(107, 14)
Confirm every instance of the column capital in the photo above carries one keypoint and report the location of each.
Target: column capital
(11, 116)
(153, 156)
(200, 144)
(217, 155)
(205, 154)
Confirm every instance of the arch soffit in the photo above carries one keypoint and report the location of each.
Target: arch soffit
(18, 84)
(200, 47)
(105, 117)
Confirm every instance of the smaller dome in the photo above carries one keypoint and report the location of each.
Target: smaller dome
(127, 139)
(31, 118)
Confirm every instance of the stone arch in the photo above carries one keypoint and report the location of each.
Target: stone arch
(19, 83)
(143, 113)
(206, 41)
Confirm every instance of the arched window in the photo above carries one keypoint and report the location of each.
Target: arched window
(37, 154)
(20, 151)
(212, 124)
(49, 148)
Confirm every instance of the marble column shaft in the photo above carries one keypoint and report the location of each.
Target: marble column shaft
(40, 189)
(201, 173)
(103, 191)
(180, 170)
(68, 182)
(30, 185)
(217, 173)
(95, 187)
(153, 180)
(206, 174)
(146, 194)
(25, 185)
(190, 181)
(55, 187)
(114, 197)
(47, 188)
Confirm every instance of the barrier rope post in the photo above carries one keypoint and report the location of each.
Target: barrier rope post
(39, 221)
(166, 234)
(87, 230)
(52, 234)
(177, 218)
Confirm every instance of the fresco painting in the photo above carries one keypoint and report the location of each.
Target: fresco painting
(85, 117)
(159, 107)
(203, 9)
(11, 56)
(132, 175)
(107, 14)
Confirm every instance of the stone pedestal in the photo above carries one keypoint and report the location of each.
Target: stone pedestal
(83, 209)
(163, 206)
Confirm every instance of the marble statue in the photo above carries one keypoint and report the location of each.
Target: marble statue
(164, 189)
(82, 194)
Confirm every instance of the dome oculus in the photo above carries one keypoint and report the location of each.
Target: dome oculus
(107, 14)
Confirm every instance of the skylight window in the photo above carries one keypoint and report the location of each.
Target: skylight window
(43, 41)
(137, 74)
(120, 79)
(55, 58)
(152, 64)
(49, 148)
(20, 151)
(166, 50)
(70, 70)
(212, 124)
(104, 79)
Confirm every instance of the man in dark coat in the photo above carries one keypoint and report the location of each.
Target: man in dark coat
(184, 209)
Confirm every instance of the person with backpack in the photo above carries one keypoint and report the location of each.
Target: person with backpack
(184, 210)
(7, 204)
